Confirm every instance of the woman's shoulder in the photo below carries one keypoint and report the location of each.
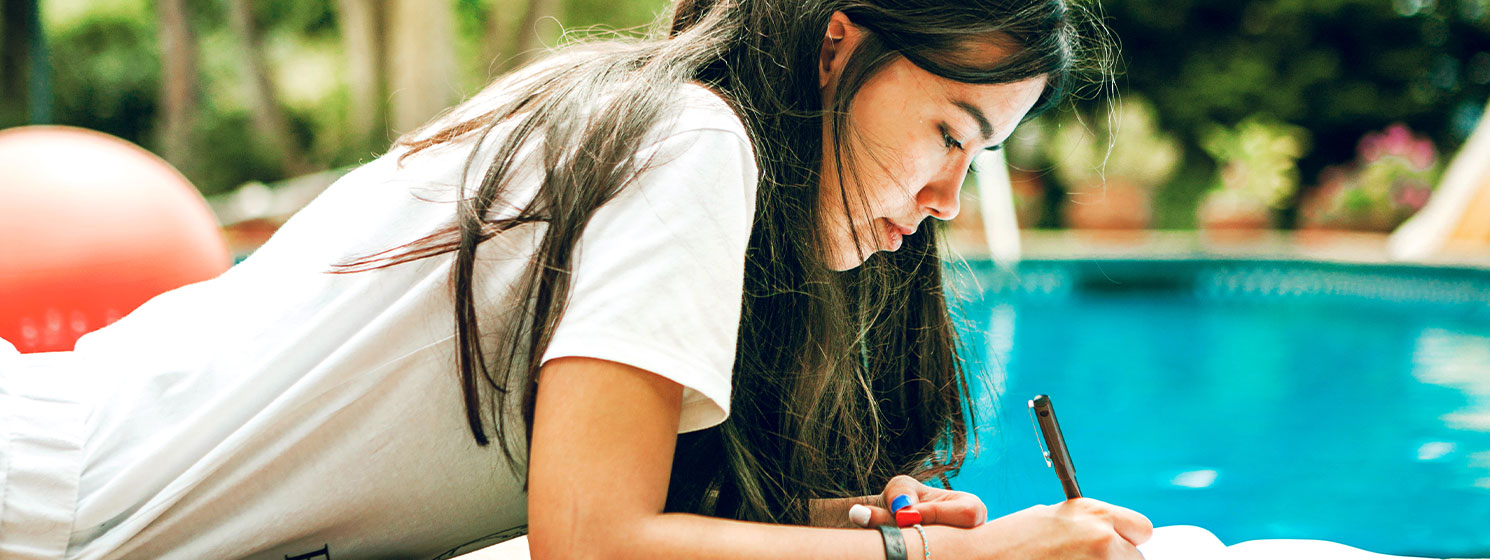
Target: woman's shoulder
(702, 120)
(699, 159)
(700, 107)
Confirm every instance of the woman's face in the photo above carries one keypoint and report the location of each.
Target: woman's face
(913, 135)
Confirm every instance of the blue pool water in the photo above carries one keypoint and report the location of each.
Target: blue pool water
(1256, 399)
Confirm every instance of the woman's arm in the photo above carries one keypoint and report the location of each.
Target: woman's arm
(603, 439)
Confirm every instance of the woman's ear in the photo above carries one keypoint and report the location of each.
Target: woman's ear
(838, 42)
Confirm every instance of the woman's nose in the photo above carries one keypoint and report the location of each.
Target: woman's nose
(940, 197)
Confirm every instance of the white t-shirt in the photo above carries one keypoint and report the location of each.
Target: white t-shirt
(280, 411)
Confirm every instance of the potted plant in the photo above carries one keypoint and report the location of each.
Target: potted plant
(1110, 173)
(1258, 174)
(1391, 178)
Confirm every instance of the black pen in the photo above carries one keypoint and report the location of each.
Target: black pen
(1054, 445)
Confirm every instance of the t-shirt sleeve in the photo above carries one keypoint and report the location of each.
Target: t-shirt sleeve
(659, 271)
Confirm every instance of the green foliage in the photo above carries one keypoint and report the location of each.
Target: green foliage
(306, 18)
(1392, 178)
(1123, 142)
(1258, 159)
(612, 14)
(106, 63)
(1338, 68)
(106, 76)
(235, 157)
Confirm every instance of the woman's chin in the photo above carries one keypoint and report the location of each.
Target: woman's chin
(849, 259)
(839, 265)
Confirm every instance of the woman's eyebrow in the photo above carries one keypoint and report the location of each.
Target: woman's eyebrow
(983, 125)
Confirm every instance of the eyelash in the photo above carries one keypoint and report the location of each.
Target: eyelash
(949, 142)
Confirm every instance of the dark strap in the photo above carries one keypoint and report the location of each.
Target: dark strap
(894, 542)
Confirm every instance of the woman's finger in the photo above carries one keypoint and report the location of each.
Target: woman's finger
(1134, 527)
(961, 510)
(936, 506)
(904, 485)
(870, 516)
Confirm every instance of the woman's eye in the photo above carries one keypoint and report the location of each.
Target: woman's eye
(948, 141)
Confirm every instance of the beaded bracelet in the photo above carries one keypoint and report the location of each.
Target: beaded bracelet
(925, 544)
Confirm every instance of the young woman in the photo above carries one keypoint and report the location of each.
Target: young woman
(672, 298)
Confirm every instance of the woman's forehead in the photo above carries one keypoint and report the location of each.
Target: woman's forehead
(988, 104)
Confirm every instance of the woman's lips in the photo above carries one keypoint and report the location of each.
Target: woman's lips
(895, 234)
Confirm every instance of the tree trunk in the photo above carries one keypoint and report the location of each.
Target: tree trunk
(501, 33)
(25, 68)
(268, 117)
(529, 35)
(512, 34)
(422, 72)
(178, 100)
(41, 70)
(363, 39)
(15, 57)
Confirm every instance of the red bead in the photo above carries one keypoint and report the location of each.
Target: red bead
(907, 517)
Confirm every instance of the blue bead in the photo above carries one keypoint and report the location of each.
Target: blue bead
(900, 502)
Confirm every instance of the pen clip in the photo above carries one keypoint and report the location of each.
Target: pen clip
(1039, 439)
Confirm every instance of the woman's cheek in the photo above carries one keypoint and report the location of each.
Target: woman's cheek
(913, 172)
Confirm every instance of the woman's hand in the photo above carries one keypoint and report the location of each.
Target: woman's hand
(1080, 529)
(936, 506)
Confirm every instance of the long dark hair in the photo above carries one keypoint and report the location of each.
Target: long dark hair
(841, 380)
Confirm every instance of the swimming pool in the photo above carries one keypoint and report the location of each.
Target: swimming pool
(1258, 399)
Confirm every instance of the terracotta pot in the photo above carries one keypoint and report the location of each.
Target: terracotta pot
(1227, 217)
(1228, 210)
(1116, 204)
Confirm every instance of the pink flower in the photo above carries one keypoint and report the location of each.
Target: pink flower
(1398, 138)
(1399, 141)
(1412, 195)
(1422, 155)
(1371, 148)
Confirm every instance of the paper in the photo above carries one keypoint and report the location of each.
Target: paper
(1185, 542)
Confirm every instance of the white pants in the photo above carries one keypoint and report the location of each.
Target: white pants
(41, 458)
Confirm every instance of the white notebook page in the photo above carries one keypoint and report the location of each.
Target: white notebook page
(1185, 542)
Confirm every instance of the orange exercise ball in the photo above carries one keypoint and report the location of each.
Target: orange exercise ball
(92, 226)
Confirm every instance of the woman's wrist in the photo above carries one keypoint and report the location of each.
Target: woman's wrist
(913, 543)
(939, 540)
(896, 547)
(943, 541)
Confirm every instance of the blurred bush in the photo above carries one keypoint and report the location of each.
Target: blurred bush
(1337, 68)
(1258, 163)
(1393, 175)
(1110, 163)
(107, 72)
